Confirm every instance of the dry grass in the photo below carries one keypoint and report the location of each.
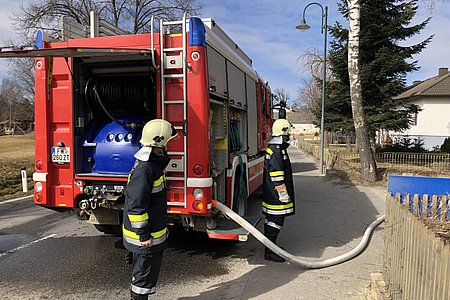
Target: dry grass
(440, 228)
(16, 152)
(345, 174)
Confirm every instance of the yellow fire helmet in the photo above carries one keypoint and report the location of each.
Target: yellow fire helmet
(157, 133)
(281, 127)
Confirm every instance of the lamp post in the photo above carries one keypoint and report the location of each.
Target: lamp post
(303, 26)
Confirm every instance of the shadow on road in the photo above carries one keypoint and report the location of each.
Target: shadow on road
(301, 167)
(330, 220)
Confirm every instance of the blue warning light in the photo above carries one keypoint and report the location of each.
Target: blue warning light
(197, 32)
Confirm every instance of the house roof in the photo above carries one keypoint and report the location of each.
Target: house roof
(434, 86)
(301, 116)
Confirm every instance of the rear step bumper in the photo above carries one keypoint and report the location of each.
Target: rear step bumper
(227, 229)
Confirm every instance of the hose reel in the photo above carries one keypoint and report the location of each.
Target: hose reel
(121, 96)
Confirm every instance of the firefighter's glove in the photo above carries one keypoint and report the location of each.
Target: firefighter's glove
(283, 195)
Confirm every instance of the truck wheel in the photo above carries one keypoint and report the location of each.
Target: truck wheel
(240, 195)
(109, 229)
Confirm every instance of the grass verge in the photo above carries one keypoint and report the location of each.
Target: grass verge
(16, 152)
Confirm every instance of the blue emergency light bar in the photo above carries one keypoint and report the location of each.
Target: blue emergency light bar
(197, 32)
(41, 37)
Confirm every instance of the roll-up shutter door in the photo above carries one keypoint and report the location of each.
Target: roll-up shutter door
(252, 117)
(217, 74)
(236, 86)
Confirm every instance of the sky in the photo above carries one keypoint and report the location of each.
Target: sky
(265, 30)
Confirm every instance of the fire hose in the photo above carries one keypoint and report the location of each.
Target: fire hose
(306, 263)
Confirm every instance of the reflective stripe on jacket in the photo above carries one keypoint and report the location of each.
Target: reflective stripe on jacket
(278, 177)
(133, 238)
(145, 209)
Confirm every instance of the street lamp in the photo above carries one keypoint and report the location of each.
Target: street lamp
(303, 26)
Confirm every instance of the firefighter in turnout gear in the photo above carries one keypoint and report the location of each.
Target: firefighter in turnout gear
(278, 188)
(145, 209)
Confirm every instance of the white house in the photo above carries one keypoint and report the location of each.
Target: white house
(302, 122)
(432, 123)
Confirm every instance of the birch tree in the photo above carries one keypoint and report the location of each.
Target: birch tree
(368, 164)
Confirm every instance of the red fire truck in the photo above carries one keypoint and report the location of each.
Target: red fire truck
(93, 95)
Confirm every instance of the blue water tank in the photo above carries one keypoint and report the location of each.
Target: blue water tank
(108, 148)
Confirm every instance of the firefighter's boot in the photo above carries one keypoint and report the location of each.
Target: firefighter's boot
(272, 234)
(272, 256)
(135, 296)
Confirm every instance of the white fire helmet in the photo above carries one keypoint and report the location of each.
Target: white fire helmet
(281, 127)
(157, 133)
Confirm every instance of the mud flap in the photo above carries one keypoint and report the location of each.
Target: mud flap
(227, 229)
(104, 216)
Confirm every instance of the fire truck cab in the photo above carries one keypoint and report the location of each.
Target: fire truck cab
(94, 94)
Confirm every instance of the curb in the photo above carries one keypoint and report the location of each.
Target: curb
(378, 289)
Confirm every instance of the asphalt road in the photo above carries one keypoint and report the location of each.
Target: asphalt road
(51, 255)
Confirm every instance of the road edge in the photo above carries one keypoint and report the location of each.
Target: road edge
(378, 289)
(15, 199)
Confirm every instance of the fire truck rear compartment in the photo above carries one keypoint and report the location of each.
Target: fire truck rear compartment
(113, 99)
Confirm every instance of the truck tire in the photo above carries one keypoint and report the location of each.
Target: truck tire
(109, 229)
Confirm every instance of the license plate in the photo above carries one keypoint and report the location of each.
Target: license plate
(60, 155)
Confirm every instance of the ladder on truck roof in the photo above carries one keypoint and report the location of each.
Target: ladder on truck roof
(165, 64)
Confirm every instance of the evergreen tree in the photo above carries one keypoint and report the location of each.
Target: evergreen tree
(445, 147)
(383, 63)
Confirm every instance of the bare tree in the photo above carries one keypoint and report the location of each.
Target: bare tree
(368, 163)
(308, 94)
(23, 69)
(46, 14)
(312, 62)
(309, 91)
(281, 94)
(131, 15)
(15, 107)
